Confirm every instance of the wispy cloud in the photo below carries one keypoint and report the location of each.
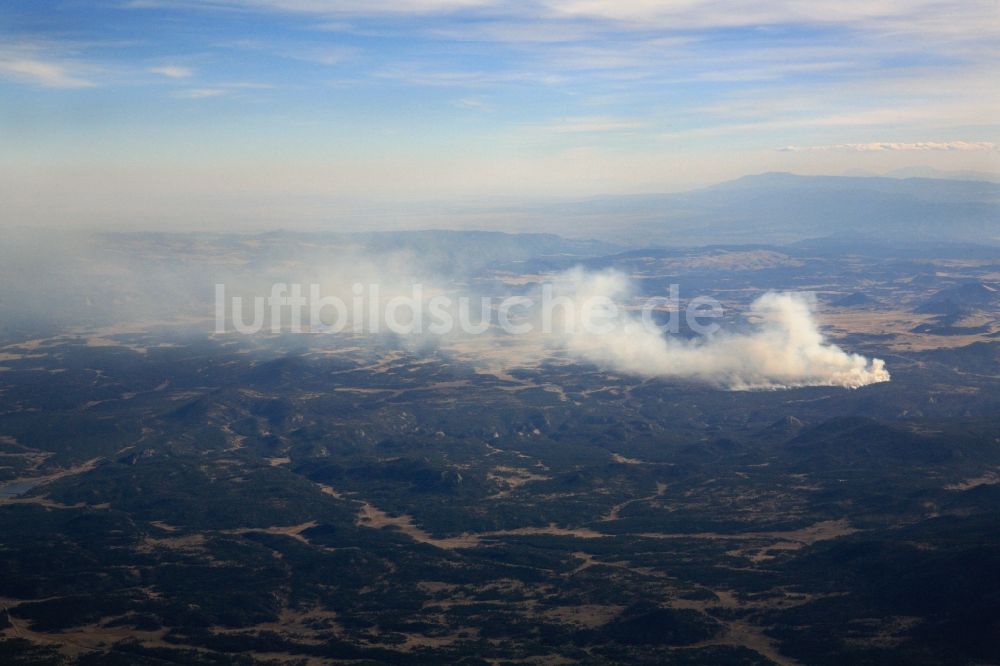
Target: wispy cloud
(248, 85)
(696, 14)
(514, 32)
(221, 90)
(42, 73)
(892, 146)
(200, 93)
(775, 122)
(686, 14)
(417, 75)
(172, 71)
(323, 56)
(593, 124)
(329, 7)
(472, 103)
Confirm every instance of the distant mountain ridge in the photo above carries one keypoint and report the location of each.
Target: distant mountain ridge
(783, 208)
(929, 172)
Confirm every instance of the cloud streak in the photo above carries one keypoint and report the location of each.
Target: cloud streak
(172, 71)
(593, 124)
(201, 93)
(641, 14)
(961, 146)
(42, 73)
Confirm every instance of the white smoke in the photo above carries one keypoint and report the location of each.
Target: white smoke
(71, 286)
(785, 348)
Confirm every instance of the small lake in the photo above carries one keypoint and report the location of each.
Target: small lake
(19, 487)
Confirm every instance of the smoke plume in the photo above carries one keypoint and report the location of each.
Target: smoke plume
(784, 349)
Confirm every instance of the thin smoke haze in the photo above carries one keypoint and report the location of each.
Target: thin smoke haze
(590, 315)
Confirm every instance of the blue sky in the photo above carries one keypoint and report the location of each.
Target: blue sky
(161, 109)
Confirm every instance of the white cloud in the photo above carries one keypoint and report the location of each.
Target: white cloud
(894, 146)
(38, 72)
(172, 71)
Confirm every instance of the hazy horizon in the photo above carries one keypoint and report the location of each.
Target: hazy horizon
(167, 114)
